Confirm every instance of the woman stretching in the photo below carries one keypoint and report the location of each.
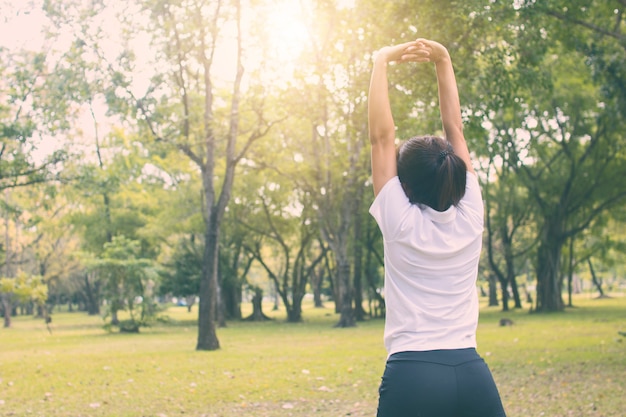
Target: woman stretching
(429, 208)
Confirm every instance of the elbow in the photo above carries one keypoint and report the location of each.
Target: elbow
(454, 132)
(381, 136)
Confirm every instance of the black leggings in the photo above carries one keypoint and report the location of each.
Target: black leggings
(438, 383)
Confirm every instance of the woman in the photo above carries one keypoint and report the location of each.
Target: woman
(429, 208)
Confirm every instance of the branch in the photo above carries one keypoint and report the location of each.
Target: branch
(594, 28)
(595, 212)
(254, 136)
(147, 117)
(229, 174)
(181, 76)
(490, 232)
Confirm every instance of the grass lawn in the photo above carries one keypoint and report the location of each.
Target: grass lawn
(567, 364)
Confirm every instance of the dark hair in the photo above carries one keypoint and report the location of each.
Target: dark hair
(431, 173)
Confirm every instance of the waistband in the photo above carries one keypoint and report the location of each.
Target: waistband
(450, 357)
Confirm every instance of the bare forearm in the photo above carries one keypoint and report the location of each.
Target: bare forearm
(381, 124)
(450, 108)
(449, 103)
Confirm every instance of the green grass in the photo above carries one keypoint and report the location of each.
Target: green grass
(568, 364)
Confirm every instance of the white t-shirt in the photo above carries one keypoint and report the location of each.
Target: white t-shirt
(431, 266)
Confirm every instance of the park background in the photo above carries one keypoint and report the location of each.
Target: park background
(185, 187)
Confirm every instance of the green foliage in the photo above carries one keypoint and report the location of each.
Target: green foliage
(129, 282)
(24, 288)
(181, 276)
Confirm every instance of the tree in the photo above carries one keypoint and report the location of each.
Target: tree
(23, 77)
(21, 289)
(280, 222)
(550, 103)
(234, 261)
(291, 256)
(576, 149)
(331, 107)
(181, 277)
(506, 219)
(129, 281)
(191, 116)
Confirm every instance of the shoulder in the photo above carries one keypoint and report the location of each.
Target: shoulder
(391, 206)
(390, 194)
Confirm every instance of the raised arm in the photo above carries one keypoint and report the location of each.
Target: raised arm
(449, 104)
(381, 126)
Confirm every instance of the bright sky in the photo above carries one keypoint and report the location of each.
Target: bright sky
(20, 24)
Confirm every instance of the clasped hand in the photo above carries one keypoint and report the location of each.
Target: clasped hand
(419, 50)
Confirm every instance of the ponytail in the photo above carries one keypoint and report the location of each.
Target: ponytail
(450, 180)
(431, 173)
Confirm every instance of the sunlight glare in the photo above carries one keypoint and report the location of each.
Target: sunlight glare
(286, 29)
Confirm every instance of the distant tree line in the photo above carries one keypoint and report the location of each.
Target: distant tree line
(187, 151)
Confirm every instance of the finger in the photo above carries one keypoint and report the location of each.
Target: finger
(424, 43)
(414, 58)
(406, 45)
(421, 54)
(411, 55)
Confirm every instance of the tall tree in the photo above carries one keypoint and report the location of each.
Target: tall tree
(573, 156)
(331, 103)
(191, 115)
(288, 249)
(508, 227)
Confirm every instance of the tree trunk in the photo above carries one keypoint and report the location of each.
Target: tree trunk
(276, 297)
(190, 300)
(510, 271)
(207, 337)
(334, 288)
(257, 307)
(294, 308)
(221, 308)
(549, 297)
(570, 272)
(317, 277)
(359, 313)
(92, 298)
(594, 278)
(114, 319)
(231, 298)
(294, 313)
(6, 307)
(514, 288)
(346, 318)
(504, 287)
(493, 291)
